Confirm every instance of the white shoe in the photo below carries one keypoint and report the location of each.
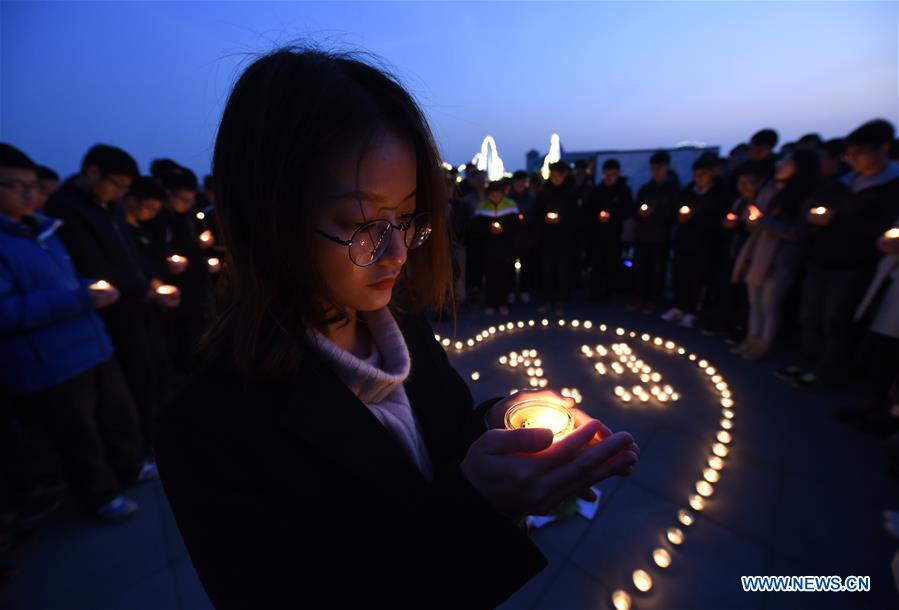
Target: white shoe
(688, 320)
(503, 310)
(672, 315)
(525, 297)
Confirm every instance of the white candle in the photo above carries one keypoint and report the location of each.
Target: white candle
(621, 600)
(100, 285)
(540, 413)
(675, 536)
(819, 211)
(662, 558)
(176, 258)
(685, 209)
(214, 262)
(552, 216)
(206, 236)
(166, 289)
(642, 580)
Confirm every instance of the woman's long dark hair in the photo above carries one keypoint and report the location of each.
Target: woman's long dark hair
(787, 204)
(291, 112)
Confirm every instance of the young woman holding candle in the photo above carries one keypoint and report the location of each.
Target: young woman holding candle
(340, 451)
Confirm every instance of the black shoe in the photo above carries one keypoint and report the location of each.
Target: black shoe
(853, 412)
(788, 374)
(879, 423)
(805, 381)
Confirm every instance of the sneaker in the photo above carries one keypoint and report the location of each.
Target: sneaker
(148, 472)
(525, 297)
(804, 381)
(672, 315)
(118, 509)
(688, 321)
(745, 346)
(758, 351)
(503, 310)
(788, 374)
(489, 311)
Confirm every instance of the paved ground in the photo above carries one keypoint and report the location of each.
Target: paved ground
(799, 495)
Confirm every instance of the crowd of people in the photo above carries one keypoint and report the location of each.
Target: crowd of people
(107, 282)
(766, 243)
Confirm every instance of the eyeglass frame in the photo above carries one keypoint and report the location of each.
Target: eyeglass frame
(403, 226)
(20, 186)
(108, 178)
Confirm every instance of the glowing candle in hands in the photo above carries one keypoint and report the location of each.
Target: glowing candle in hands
(540, 413)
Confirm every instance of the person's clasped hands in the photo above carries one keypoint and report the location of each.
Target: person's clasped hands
(523, 472)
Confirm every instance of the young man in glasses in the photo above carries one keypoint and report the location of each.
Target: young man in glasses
(57, 359)
(96, 234)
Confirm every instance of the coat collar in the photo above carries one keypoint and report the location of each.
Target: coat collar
(322, 413)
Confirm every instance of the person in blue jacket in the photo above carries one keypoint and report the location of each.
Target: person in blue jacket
(55, 355)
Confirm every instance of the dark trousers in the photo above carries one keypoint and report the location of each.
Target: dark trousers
(650, 265)
(557, 272)
(500, 278)
(829, 300)
(881, 358)
(529, 276)
(93, 422)
(605, 262)
(688, 275)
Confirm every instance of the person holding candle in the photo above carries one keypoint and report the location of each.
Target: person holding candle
(497, 224)
(97, 236)
(604, 213)
(841, 254)
(57, 360)
(770, 260)
(557, 213)
(525, 242)
(652, 236)
(325, 417)
(878, 314)
(697, 243)
(179, 224)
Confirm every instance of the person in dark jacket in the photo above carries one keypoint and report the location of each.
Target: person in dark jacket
(497, 225)
(557, 217)
(526, 241)
(697, 243)
(656, 214)
(177, 222)
(604, 213)
(96, 235)
(841, 254)
(57, 360)
(329, 457)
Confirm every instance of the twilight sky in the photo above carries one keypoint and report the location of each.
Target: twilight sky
(152, 77)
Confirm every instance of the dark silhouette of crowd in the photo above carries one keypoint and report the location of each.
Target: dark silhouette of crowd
(108, 279)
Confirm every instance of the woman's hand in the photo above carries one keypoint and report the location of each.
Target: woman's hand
(522, 472)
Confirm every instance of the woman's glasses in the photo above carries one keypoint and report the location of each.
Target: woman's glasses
(370, 240)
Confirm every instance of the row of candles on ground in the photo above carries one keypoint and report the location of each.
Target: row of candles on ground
(537, 413)
(711, 474)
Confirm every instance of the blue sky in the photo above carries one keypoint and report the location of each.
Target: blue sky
(153, 77)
